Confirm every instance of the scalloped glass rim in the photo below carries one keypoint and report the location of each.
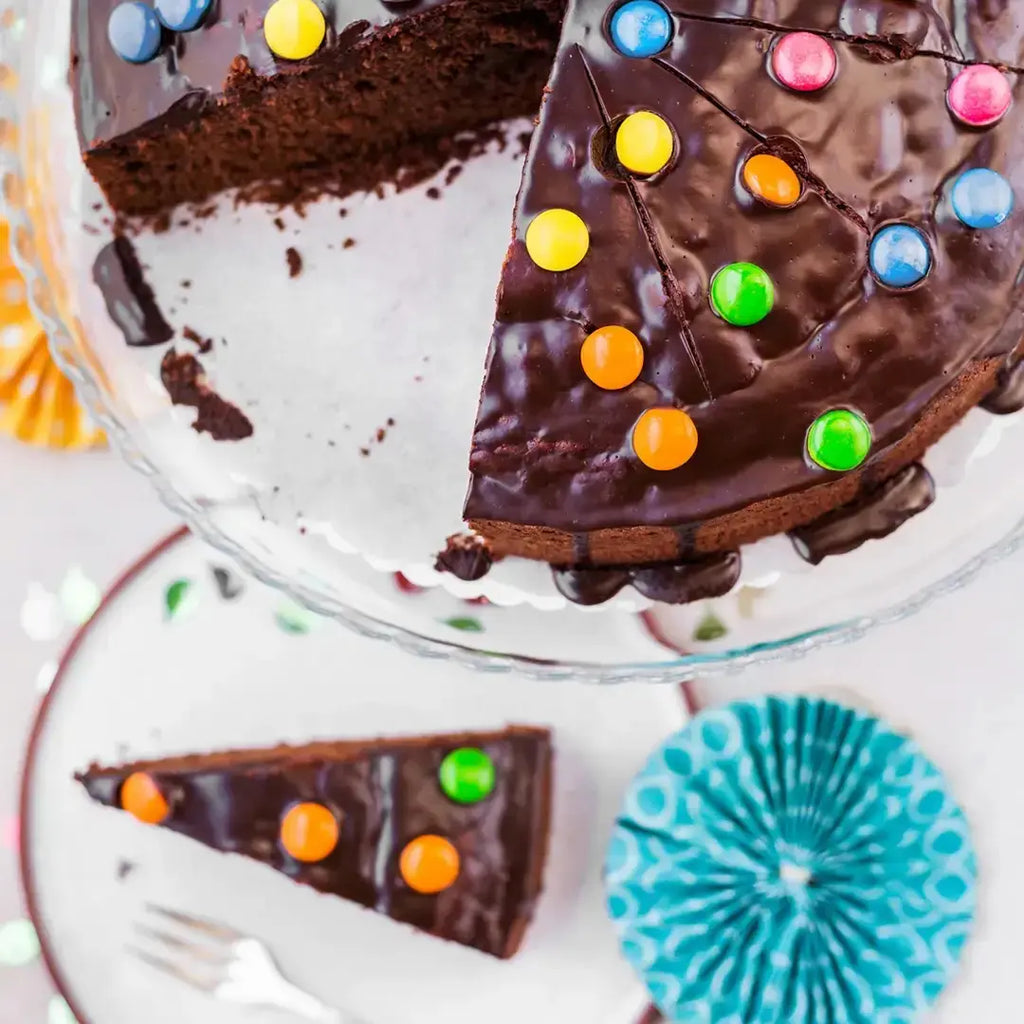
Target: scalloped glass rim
(23, 203)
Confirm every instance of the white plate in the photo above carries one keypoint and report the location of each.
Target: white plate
(224, 674)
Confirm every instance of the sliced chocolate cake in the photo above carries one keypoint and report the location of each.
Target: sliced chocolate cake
(446, 833)
(764, 253)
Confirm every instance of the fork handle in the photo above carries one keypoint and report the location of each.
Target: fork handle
(309, 1008)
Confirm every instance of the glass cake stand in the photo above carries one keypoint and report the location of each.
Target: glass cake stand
(229, 494)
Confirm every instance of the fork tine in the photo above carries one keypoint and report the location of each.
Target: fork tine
(199, 952)
(221, 932)
(178, 971)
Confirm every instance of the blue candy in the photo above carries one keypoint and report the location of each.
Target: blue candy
(899, 256)
(641, 28)
(982, 198)
(182, 15)
(134, 32)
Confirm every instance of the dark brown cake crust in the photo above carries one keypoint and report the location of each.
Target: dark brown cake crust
(385, 97)
(639, 544)
(385, 793)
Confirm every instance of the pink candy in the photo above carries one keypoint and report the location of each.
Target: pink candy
(803, 61)
(979, 95)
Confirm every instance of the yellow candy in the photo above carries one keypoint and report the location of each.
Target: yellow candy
(557, 240)
(294, 29)
(644, 143)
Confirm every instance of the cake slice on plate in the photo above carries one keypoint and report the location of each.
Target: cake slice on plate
(447, 833)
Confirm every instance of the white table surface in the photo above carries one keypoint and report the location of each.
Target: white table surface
(952, 676)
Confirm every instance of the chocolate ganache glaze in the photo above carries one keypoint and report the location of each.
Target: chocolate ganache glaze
(873, 515)
(553, 458)
(384, 795)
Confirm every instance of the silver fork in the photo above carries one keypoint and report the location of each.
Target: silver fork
(224, 963)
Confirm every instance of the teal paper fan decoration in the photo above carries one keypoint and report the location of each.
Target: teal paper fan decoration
(791, 861)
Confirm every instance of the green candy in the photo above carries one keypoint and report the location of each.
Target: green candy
(742, 294)
(467, 775)
(839, 440)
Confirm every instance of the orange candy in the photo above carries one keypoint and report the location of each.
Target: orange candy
(429, 864)
(664, 439)
(141, 798)
(612, 357)
(771, 179)
(309, 832)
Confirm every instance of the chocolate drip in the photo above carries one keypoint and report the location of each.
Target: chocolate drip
(1008, 395)
(589, 586)
(580, 549)
(465, 556)
(185, 380)
(693, 580)
(668, 582)
(129, 299)
(874, 514)
(384, 793)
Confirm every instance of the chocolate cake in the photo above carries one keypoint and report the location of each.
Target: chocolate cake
(763, 256)
(446, 833)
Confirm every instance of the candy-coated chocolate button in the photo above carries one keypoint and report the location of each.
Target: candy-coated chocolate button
(839, 440)
(979, 95)
(182, 15)
(612, 357)
(644, 143)
(309, 832)
(664, 439)
(467, 775)
(982, 198)
(641, 28)
(141, 798)
(803, 61)
(899, 256)
(429, 864)
(294, 29)
(134, 32)
(771, 179)
(742, 294)
(557, 239)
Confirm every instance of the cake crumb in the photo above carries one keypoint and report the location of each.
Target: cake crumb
(203, 344)
(452, 173)
(433, 192)
(279, 224)
(185, 380)
(186, 283)
(348, 243)
(294, 261)
(125, 868)
(343, 212)
(365, 452)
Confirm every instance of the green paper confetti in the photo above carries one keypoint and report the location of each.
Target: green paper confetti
(294, 619)
(79, 596)
(58, 1012)
(180, 599)
(711, 627)
(19, 944)
(466, 624)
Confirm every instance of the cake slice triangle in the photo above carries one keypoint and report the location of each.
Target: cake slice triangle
(447, 833)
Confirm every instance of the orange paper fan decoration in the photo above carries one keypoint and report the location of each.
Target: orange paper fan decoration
(38, 404)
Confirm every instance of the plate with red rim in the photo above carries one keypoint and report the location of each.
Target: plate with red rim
(178, 660)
